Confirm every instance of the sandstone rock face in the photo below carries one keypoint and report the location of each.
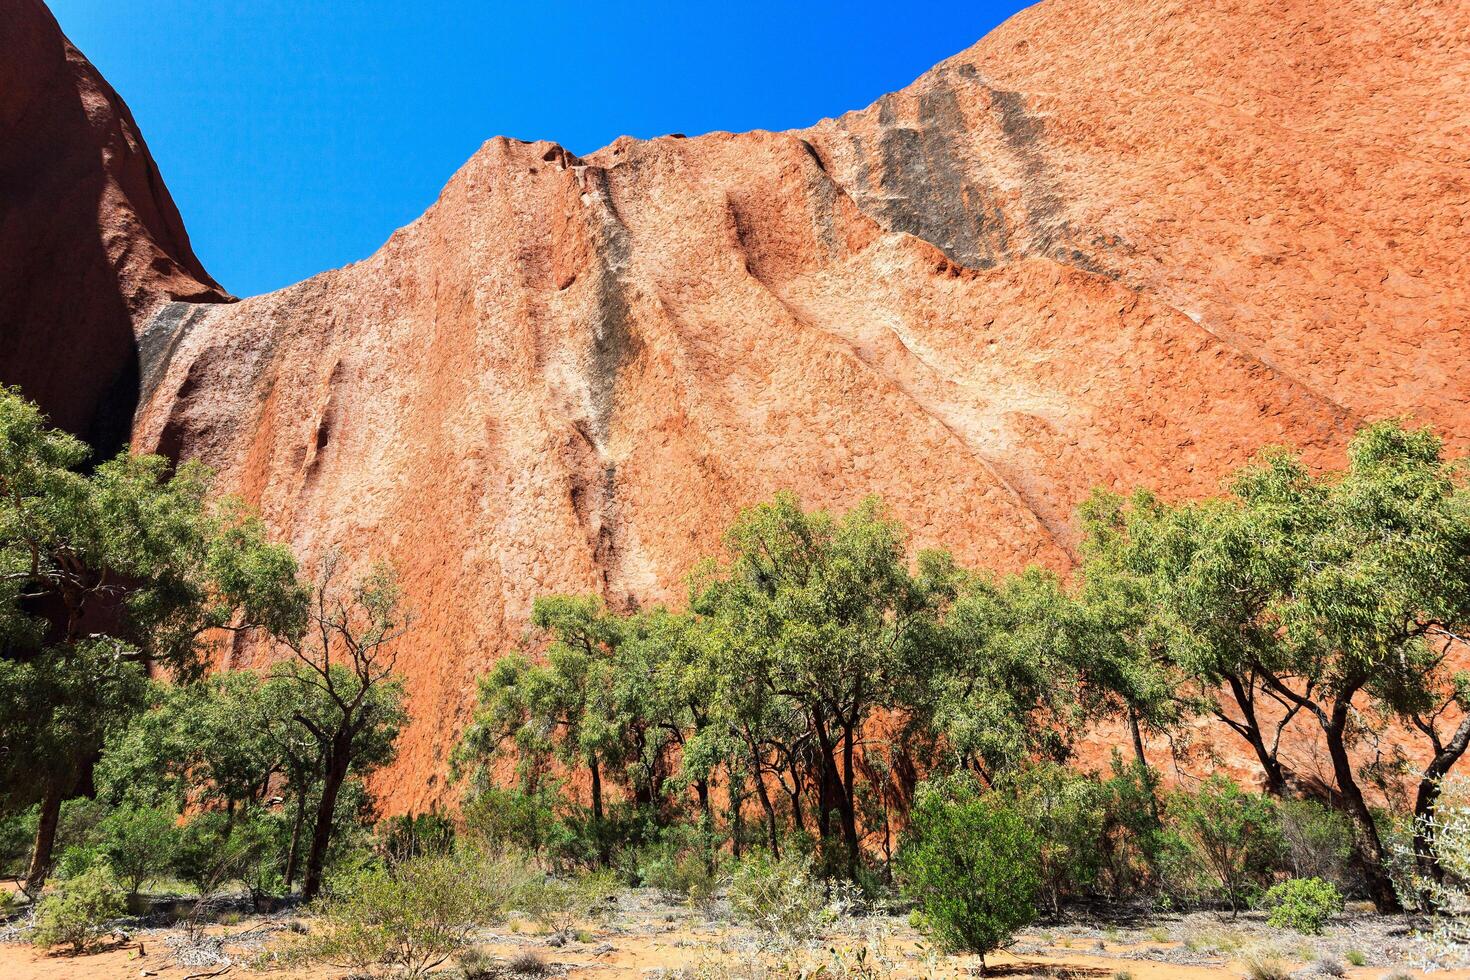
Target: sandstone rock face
(1112, 244)
(90, 241)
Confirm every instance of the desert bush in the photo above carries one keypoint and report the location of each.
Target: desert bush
(209, 852)
(530, 822)
(78, 859)
(561, 904)
(1067, 814)
(258, 845)
(1225, 841)
(1131, 842)
(682, 865)
(1446, 897)
(970, 863)
(138, 843)
(411, 835)
(783, 899)
(1316, 841)
(17, 834)
(415, 915)
(77, 910)
(1263, 966)
(76, 850)
(1303, 904)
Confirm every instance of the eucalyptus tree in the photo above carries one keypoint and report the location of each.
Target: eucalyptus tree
(1009, 692)
(105, 576)
(826, 616)
(573, 709)
(1371, 578)
(341, 675)
(1129, 549)
(666, 675)
(196, 744)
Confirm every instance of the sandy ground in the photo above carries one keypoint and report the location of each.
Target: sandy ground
(649, 938)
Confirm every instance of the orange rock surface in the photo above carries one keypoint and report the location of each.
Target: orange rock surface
(90, 241)
(1112, 244)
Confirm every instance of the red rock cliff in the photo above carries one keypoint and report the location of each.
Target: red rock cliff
(1113, 243)
(90, 241)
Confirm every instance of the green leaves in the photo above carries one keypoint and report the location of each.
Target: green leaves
(969, 861)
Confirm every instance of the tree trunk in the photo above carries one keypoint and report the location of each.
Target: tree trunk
(293, 854)
(828, 786)
(45, 841)
(848, 803)
(321, 835)
(1445, 757)
(1270, 765)
(1370, 846)
(701, 790)
(604, 853)
(764, 795)
(798, 820)
(737, 816)
(1138, 752)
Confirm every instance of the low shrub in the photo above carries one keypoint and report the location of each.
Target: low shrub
(138, 844)
(1303, 904)
(411, 835)
(783, 899)
(78, 909)
(17, 834)
(414, 916)
(202, 855)
(563, 904)
(969, 862)
(510, 818)
(1224, 842)
(258, 845)
(1067, 813)
(1131, 841)
(77, 860)
(683, 866)
(1316, 841)
(1263, 966)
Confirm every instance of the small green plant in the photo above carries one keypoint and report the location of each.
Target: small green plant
(969, 862)
(1225, 837)
(1355, 958)
(415, 835)
(560, 905)
(783, 899)
(78, 859)
(680, 869)
(138, 844)
(1317, 841)
(528, 963)
(416, 915)
(75, 913)
(1303, 904)
(1067, 814)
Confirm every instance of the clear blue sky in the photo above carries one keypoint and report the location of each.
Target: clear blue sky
(296, 135)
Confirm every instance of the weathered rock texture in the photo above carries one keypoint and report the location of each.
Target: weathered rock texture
(1113, 243)
(90, 241)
